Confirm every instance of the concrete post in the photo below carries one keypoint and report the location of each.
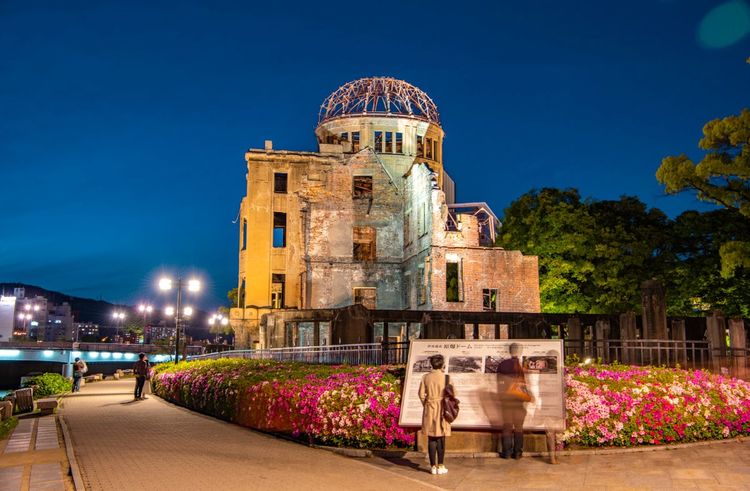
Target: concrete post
(678, 334)
(627, 334)
(738, 347)
(654, 310)
(575, 334)
(716, 335)
(601, 348)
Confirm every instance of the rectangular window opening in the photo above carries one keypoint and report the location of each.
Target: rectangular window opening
(244, 234)
(280, 182)
(378, 141)
(420, 146)
(489, 299)
(452, 282)
(278, 285)
(388, 142)
(399, 143)
(422, 285)
(344, 137)
(279, 229)
(355, 141)
(364, 244)
(367, 297)
(362, 187)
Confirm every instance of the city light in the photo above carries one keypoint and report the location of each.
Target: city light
(169, 311)
(194, 285)
(145, 309)
(188, 311)
(165, 284)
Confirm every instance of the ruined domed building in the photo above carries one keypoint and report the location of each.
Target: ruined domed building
(371, 219)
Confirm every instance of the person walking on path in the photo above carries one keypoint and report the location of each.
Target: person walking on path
(79, 368)
(141, 371)
(513, 396)
(433, 424)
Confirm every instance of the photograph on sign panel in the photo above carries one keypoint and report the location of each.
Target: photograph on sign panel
(421, 365)
(465, 364)
(492, 363)
(541, 364)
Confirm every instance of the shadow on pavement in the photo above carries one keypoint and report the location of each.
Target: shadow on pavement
(101, 394)
(402, 462)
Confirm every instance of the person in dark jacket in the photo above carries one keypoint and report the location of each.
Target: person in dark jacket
(78, 369)
(140, 370)
(513, 407)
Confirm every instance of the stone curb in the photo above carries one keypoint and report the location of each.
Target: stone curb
(72, 462)
(410, 454)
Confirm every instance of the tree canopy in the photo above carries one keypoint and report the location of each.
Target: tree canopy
(594, 255)
(722, 177)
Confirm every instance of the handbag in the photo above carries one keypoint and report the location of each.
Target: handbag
(450, 403)
(519, 391)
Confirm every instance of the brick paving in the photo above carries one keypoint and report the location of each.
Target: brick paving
(39, 467)
(121, 444)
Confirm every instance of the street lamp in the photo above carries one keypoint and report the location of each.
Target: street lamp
(145, 311)
(25, 318)
(118, 316)
(166, 284)
(218, 319)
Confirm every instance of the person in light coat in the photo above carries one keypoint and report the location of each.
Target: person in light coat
(433, 424)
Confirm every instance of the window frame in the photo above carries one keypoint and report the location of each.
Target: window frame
(277, 183)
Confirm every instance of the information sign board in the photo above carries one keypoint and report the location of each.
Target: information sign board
(473, 365)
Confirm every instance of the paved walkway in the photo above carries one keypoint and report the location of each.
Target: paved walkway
(121, 444)
(33, 457)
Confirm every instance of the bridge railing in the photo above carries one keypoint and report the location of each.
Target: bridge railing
(344, 354)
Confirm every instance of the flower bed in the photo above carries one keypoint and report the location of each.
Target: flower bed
(618, 405)
(342, 405)
(612, 405)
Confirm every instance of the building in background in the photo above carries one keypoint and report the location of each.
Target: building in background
(86, 331)
(7, 318)
(59, 325)
(371, 219)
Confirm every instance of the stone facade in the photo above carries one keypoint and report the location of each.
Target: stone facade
(370, 218)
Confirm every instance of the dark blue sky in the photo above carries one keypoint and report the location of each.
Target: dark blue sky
(123, 125)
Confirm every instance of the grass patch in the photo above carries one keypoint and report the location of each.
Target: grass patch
(6, 427)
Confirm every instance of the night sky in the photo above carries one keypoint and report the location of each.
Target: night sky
(123, 125)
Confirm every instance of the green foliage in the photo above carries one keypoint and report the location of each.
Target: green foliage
(693, 280)
(593, 255)
(233, 296)
(48, 384)
(721, 177)
(6, 427)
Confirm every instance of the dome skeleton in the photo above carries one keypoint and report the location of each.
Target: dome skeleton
(379, 96)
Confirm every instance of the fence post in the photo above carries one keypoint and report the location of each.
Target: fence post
(601, 329)
(716, 335)
(678, 335)
(576, 334)
(738, 347)
(627, 335)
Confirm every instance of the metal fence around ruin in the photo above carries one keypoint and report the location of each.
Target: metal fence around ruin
(344, 354)
(686, 354)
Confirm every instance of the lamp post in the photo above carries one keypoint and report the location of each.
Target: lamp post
(166, 284)
(118, 316)
(218, 319)
(145, 311)
(25, 318)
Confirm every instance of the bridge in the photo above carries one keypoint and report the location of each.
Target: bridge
(66, 353)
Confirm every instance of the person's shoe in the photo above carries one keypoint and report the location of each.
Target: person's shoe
(433, 470)
(442, 470)
(504, 455)
(518, 455)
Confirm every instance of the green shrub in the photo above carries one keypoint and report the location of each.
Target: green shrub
(48, 384)
(7, 426)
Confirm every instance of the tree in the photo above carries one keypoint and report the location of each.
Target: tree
(694, 281)
(233, 296)
(721, 177)
(593, 255)
(555, 225)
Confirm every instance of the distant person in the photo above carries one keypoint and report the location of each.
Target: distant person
(79, 368)
(514, 395)
(140, 370)
(433, 424)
